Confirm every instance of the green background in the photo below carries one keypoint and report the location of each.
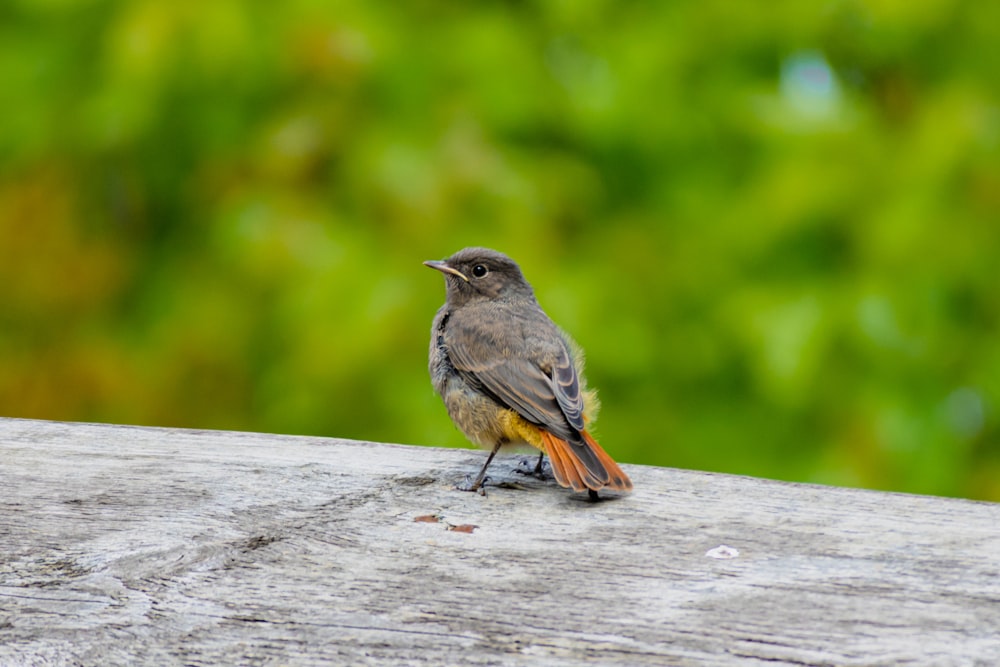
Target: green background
(774, 228)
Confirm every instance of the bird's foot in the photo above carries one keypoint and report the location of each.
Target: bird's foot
(529, 466)
(471, 485)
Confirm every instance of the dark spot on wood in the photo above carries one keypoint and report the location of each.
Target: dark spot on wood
(259, 541)
(422, 480)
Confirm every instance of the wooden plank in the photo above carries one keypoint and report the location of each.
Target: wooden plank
(125, 545)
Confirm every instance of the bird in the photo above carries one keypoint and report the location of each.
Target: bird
(508, 375)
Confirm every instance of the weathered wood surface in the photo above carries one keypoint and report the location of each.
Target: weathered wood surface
(122, 545)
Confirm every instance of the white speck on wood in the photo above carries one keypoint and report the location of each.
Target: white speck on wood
(723, 552)
(126, 545)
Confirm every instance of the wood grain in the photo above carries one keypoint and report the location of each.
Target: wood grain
(125, 545)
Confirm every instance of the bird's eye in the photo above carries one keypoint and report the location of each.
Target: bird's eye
(478, 271)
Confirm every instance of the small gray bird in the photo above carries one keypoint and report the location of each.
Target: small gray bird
(508, 375)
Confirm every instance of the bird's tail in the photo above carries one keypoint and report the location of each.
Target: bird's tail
(584, 465)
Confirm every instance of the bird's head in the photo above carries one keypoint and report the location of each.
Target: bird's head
(480, 273)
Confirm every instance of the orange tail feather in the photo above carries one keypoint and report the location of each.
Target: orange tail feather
(562, 467)
(570, 470)
(617, 479)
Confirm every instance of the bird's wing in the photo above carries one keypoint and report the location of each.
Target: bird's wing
(566, 382)
(541, 384)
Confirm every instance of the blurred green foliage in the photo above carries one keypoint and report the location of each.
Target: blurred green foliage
(775, 230)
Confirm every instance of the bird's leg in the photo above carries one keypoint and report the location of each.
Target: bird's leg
(477, 484)
(538, 466)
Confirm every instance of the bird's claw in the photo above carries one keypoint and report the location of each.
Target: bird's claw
(529, 467)
(473, 486)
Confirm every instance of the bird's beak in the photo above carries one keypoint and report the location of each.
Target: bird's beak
(444, 267)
